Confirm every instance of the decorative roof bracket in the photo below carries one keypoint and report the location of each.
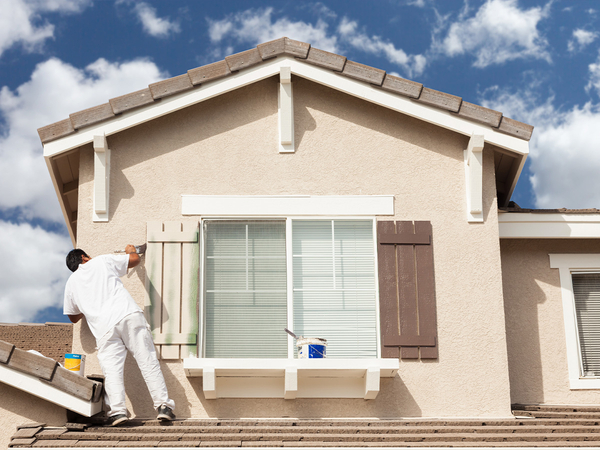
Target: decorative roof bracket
(101, 178)
(474, 178)
(286, 111)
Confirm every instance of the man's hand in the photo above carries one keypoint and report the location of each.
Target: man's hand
(134, 258)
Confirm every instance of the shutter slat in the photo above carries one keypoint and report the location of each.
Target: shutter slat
(388, 300)
(407, 290)
(425, 293)
(171, 313)
(190, 260)
(154, 265)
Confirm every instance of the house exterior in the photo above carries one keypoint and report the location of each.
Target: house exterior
(289, 187)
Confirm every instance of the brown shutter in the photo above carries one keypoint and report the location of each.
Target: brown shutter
(406, 290)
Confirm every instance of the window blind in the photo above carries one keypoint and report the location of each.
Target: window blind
(245, 298)
(334, 285)
(586, 290)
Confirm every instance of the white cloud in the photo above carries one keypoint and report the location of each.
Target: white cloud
(500, 31)
(594, 81)
(152, 24)
(564, 149)
(32, 270)
(64, 6)
(256, 26)
(55, 90)
(412, 64)
(21, 22)
(581, 39)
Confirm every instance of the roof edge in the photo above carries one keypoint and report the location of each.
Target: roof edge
(269, 50)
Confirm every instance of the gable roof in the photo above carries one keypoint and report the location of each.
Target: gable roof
(301, 51)
(62, 140)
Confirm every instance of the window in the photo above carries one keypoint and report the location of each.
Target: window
(580, 287)
(316, 277)
(586, 292)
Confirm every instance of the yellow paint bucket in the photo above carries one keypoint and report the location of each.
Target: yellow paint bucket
(75, 363)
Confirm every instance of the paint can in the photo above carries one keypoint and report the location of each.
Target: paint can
(309, 348)
(75, 363)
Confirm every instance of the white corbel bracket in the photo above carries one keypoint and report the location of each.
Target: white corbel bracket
(474, 178)
(286, 111)
(101, 178)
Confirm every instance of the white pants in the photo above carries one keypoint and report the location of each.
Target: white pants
(131, 333)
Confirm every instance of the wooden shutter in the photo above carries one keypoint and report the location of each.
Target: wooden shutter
(406, 290)
(172, 263)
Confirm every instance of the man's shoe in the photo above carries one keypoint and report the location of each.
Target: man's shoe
(165, 413)
(113, 421)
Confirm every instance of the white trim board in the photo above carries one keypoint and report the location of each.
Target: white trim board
(45, 391)
(286, 205)
(548, 226)
(270, 68)
(566, 263)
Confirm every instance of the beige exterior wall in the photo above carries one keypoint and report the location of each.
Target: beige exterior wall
(19, 408)
(534, 322)
(228, 145)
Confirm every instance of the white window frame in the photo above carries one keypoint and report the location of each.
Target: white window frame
(567, 264)
(289, 271)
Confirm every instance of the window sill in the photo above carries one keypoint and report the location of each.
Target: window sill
(584, 383)
(290, 378)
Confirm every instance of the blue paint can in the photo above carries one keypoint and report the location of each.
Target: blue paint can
(309, 348)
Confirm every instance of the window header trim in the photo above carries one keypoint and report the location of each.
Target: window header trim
(287, 205)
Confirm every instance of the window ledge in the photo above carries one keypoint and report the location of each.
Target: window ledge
(290, 378)
(584, 383)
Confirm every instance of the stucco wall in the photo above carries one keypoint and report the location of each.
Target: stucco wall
(534, 322)
(228, 145)
(19, 408)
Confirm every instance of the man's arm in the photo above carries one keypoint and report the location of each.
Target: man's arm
(134, 258)
(75, 317)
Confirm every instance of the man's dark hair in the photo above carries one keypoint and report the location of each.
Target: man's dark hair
(74, 259)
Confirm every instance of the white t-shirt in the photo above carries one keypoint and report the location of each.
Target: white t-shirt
(95, 289)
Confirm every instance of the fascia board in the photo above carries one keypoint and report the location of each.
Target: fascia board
(35, 386)
(548, 226)
(267, 69)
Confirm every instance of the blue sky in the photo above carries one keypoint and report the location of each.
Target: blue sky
(537, 61)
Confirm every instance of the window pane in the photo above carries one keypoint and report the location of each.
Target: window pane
(334, 285)
(246, 302)
(312, 237)
(586, 289)
(245, 325)
(345, 318)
